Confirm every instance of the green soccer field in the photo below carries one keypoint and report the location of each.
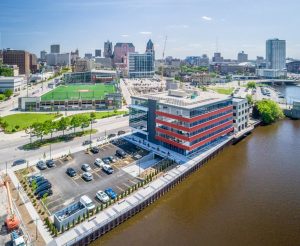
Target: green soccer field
(75, 92)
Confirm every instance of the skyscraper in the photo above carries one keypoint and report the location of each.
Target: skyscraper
(21, 58)
(242, 57)
(150, 48)
(55, 48)
(43, 55)
(98, 53)
(121, 50)
(275, 54)
(107, 49)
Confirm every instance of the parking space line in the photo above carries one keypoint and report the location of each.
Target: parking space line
(132, 181)
(128, 186)
(119, 188)
(73, 180)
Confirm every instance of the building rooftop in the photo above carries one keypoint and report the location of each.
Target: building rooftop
(186, 98)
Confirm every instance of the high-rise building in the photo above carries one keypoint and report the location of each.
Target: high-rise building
(275, 54)
(33, 63)
(242, 57)
(97, 53)
(1, 56)
(55, 48)
(74, 56)
(121, 50)
(140, 65)
(217, 57)
(43, 55)
(21, 58)
(150, 47)
(88, 55)
(107, 49)
(55, 59)
(197, 60)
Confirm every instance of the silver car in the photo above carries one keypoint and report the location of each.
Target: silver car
(87, 176)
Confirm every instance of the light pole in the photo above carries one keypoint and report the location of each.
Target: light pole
(91, 133)
(50, 151)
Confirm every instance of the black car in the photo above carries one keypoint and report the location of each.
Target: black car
(71, 172)
(95, 150)
(43, 192)
(120, 153)
(45, 186)
(111, 135)
(106, 160)
(121, 132)
(19, 162)
(36, 179)
(50, 163)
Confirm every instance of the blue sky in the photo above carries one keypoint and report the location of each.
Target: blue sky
(193, 27)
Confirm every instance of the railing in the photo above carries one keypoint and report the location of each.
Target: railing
(175, 179)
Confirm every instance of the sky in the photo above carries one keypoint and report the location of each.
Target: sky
(192, 27)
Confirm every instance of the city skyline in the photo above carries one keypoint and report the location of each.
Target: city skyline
(193, 27)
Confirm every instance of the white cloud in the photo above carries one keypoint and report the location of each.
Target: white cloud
(124, 35)
(179, 26)
(206, 18)
(145, 33)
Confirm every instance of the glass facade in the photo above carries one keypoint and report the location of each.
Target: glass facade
(140, 65)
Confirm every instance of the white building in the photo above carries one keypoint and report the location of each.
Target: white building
(55, 59)
(271, 73)
(102, 62)
(11, 83)
(240, 113)
(275, 54)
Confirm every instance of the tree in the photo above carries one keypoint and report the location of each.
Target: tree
(8, 93)
(268, 110)
(48, 127)
(75, 122)
(85, 122)
(38, 129)
(251, 85)
(63, 124)
(250, 99)
(6, 72)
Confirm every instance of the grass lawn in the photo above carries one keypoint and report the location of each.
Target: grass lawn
(101, 115)
(225, 91)
(24, 120)
(83, 91)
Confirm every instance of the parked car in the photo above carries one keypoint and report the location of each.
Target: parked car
(87, 176)
(86, 167)
(102, 196)
(42, 182)
(98, 162)
(40, 195)
(50, 163)
(120, 153)
(41, 165)
(112, 159)
(86, 201)
(36, 178)
(71, 172)
(87, 142)
(95, 150)
(106, 160)
(45, 186)
(19, 162)
(110, 192)
(107, 168)
(121, 132)
(111, 135)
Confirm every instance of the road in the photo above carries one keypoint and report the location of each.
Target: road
(10, 144)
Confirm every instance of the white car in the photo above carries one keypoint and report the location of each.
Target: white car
(86, 167)
(102, 196)
(98, 162)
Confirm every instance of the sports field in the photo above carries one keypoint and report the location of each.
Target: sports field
(75, 92)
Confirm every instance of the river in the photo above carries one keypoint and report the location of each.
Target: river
(248, 195)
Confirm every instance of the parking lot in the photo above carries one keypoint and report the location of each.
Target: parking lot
(68, 189)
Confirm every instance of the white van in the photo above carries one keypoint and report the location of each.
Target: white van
(86, 201)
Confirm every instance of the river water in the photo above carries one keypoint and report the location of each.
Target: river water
(248, 195)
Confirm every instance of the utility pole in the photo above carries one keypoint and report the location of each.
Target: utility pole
(91, 133)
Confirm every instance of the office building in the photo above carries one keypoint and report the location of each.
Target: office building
(34, 66)
(108, 49)
(11, 83)
(1, 56)
(43, 55)
(197, 60)
(97, 53)
(21, 58)
(140, 65)
(275, 54)
(88, 55)
(55, 59)
(150, 48)
(55, 48)
(217, 57)
(83, 65)
(271, 73)
(74, 56)
(102, 62)
(240, 114)
(293, 67)
(242, 57)
(121, 50)
(185, 121)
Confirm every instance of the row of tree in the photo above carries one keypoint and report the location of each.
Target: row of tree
(41, 129)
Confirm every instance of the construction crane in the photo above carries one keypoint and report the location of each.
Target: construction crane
(163, 58)
(12, 222)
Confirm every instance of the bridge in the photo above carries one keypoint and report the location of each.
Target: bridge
(278, 81)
